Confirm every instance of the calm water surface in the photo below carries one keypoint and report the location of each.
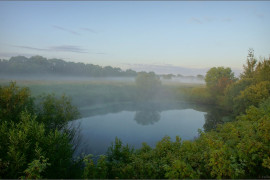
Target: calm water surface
(137, 125)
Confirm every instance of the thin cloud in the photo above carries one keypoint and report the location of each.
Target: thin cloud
(68, 48)
(66, 30)
(208, 19)
(31, 48)
(259, 15)
(101, 53)
(89, 30)
(226, 20)
(196, 20)
(255, 11)
(62, 48)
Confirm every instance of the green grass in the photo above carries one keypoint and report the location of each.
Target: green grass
(96, 93)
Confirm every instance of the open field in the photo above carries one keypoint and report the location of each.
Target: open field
(96, 92)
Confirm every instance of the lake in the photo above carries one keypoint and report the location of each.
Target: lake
(134, 124)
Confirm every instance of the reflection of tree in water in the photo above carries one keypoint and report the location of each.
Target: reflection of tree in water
(147, 117)
(215, 117)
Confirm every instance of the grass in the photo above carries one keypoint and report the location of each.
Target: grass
(95, 92)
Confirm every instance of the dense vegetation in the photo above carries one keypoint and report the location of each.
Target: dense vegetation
(38, 65)
(36, 139)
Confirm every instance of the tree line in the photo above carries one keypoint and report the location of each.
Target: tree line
(39, 65)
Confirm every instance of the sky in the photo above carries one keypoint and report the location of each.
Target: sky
(195, 34)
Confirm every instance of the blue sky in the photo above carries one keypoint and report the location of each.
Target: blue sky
(196, 34)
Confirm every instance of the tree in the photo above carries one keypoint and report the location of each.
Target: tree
(119, 156)
(147, 85)
(262, 72)
(25, 143)
(249, 68)
(32, 147)
(233, 90)
(38, 65)
(252, 95)
(200, 77)
(167, 76)
(14, 100)
(218, 78)
(54, 112)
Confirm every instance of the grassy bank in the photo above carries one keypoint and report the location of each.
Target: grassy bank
(95, 92)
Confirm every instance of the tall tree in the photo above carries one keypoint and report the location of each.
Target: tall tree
(218, 78)
(249, 68)
(147, 85)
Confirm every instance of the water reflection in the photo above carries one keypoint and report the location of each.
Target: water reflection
(149, 113)
(150, 122)
(147, 117)
(214, 117)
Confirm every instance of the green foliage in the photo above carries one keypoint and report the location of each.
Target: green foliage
(95, 171)
(26, 142)
(262, 71)
(35, 168)
(89, 169)
(218, 78)
(164, 152)
(14, 100)
(233, 90)
(27, 148)
(252, 95)
(118, 157)
(249, 68)
(201, 95)
(180, 170)
(147, 85)
(101, 167)
(55, 113)
(143, 163)
(251, 89)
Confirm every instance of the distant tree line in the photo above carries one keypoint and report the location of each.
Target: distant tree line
(39, 65)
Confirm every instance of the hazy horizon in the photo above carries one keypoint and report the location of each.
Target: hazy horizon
(159, 69)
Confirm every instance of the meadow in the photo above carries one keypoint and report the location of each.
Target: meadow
(104, 92)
